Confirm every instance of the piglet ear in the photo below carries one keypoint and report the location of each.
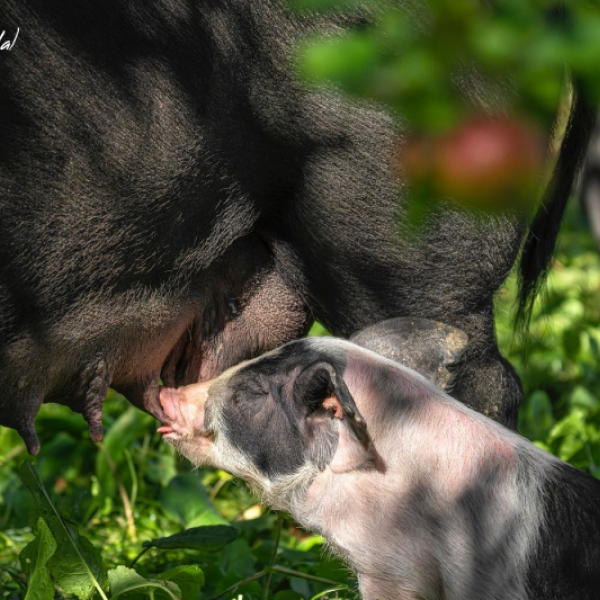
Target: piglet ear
(322, 391)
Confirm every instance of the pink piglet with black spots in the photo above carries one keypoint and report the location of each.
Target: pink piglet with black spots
(422, 496)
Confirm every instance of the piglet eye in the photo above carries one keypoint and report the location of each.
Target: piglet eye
(253, 390)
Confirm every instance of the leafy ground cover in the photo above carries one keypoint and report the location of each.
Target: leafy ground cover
(559, 360)
(129, 519)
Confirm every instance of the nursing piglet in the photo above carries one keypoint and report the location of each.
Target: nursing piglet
(423, 497)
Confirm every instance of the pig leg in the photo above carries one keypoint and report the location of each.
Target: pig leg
(426, 346)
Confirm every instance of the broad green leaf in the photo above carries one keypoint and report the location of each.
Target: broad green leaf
(209, 537)
(238, 558)
(76, 566)
(34, 558)
(186, 499)
(189, 579)
(127, 583)
(300, 586)
(123, 579)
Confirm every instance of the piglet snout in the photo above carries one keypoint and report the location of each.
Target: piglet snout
(170, 399)
(184, 409)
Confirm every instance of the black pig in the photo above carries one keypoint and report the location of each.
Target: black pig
(173, 201)
(424, 497)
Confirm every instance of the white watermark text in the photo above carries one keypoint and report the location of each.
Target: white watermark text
(7, 43)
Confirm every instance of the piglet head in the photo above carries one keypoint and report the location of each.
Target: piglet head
(272, 418)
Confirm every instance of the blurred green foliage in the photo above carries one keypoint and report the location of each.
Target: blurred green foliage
(411, 59)
(559, 358)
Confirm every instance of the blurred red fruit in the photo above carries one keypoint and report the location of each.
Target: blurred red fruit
(486, 163)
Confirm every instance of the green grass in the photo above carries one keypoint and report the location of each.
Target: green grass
(132, 488)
